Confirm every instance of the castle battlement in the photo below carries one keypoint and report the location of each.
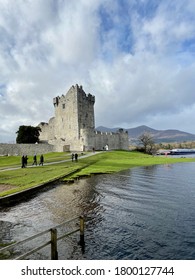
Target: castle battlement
(76, 91)
(104, 132)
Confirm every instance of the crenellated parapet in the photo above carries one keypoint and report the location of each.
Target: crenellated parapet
(56, 101)
(83, 96)
(119, 131)
(104, 132)
(76, 91)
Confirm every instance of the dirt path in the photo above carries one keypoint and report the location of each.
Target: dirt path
(5, 187)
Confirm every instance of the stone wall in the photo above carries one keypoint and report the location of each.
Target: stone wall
(27, 149)
(47, 130)
(114, 141)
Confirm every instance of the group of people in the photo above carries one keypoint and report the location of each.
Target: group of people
(25, 160)
(74, 157)
(41, 161)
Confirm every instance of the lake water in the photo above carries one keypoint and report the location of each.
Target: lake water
(141, 213)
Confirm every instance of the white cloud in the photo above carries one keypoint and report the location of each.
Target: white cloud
(136, 57)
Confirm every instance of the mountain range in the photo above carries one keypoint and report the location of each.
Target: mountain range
(169, 135)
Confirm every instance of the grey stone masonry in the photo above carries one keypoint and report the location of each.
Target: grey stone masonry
(73, 127)
(26, 149)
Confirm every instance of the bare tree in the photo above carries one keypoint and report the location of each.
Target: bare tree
(147, 142)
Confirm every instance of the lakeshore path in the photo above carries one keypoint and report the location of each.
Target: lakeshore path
(50, 163)
(5, 200)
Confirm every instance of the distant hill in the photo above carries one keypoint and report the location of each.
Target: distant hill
(169, 135)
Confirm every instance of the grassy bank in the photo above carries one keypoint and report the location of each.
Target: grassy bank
(105, 162)
(109, 162)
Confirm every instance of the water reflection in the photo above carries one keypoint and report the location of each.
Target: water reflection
(141, 213)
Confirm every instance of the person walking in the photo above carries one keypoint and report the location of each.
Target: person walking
(76, 157)
(35, 159)
(23, 161)
(41, 160)
(72, 156)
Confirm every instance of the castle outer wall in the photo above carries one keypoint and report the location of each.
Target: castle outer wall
(25, 149)
(114, 141)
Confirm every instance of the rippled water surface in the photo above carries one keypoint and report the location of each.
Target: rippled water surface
(141, 213)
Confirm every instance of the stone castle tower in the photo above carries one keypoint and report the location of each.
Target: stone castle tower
(73, 127)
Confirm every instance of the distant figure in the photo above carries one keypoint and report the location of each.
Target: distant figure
(76, 157)
(35, 159)
(72, 156)
(41, 160)
(93, 149)
(23, 161)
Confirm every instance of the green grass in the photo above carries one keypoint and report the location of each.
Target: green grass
(115, 161)
(25, 178)
(15, 161)
(105, 162)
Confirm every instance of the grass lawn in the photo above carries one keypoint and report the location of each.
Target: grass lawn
(15, 161)
(108, 162)
(12, 181)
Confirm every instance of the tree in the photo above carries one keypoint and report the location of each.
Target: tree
(147, 141)
(28, 134)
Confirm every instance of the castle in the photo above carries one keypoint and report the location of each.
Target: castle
(73, 127)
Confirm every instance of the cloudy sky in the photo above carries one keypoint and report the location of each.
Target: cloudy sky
(136, 56)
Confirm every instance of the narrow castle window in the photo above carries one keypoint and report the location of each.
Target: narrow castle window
(63, 106)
